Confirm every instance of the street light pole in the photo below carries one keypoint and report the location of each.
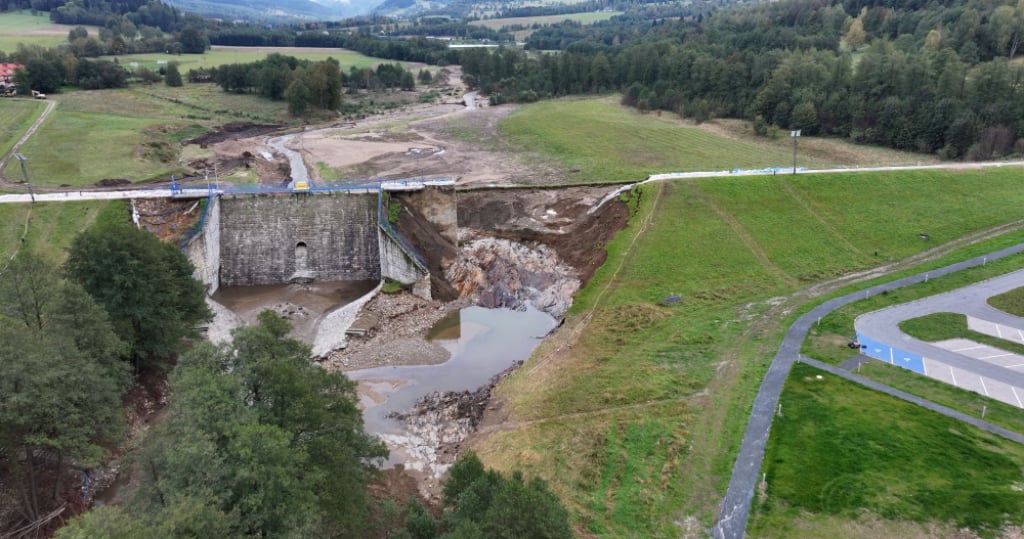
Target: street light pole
(24, 172)
(794, 135)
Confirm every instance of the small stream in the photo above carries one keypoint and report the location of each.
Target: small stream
(483, 342)
(298, 166)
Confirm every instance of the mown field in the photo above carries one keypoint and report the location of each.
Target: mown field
(219, 55)
(544, 20)
(23, 27)
(16, 116)
(609, 142)
(50, 226)
(839, 449)
(134, 133)
(634, 410)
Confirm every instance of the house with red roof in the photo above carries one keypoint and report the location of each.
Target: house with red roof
(7, 74)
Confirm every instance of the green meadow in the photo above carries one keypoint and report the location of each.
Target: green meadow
(220, 55)
(607, 142)
(16, 116)
(49, 227)
(531, 23)
(634, 409)
(839, 449)
(544, 20)
(22, 27)
(134, 133)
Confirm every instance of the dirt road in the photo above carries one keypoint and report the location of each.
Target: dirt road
(50, 105)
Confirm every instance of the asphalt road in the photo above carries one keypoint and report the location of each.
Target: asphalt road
(735, 510)
(883, 325)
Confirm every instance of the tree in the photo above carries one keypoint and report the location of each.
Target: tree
(259, 433)
(424, 77)
(484, 503)
(60, 383)
(39, 74)
(145, 285)
(192, 40)
(78, 32)
(298, 96)
(173, 76)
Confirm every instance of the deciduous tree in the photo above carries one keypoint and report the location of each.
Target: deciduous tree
(144, 284)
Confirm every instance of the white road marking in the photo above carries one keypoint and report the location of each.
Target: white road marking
(968, 348)
(954, 377)
(982, 378)
(995, 356)
(1021, 404)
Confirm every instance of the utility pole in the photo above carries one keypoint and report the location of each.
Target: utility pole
(24, 172)
(794, 135)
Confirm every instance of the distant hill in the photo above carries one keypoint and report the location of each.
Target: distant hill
(276, 10)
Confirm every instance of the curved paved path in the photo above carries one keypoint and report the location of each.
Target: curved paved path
(735, 510)
(940, 362)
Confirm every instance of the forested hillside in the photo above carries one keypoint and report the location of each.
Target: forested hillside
(935, 78)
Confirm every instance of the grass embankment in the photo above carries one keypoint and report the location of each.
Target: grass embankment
(839, 449)
(51, 225)
(637, 422)
(16, 116)
(611, 143)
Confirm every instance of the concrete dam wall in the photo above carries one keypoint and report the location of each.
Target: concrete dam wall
(271, 239)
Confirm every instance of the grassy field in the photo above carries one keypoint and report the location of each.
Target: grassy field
(544, 20)
(840, 449)
(16, 115)
(134, 133)
(634, 411)
(51, 226)
(219, 55)
(23, 27)
(609, 142)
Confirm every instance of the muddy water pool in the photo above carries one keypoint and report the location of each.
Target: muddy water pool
(482, 342)
(300, 304)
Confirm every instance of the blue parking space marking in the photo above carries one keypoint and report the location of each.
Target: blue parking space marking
(907, 360)
(888, 354)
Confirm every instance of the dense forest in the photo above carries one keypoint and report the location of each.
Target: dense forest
(935, 78)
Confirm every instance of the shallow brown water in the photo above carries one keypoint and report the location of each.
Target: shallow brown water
(300, 304)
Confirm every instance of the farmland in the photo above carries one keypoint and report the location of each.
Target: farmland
(16, 116)
(23, 27)
(220, 55)
(133, 133)
(530, 23)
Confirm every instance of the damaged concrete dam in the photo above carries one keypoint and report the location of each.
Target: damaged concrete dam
(526, 250)
(501, 247)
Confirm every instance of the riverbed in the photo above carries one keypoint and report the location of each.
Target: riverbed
(482, 342)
